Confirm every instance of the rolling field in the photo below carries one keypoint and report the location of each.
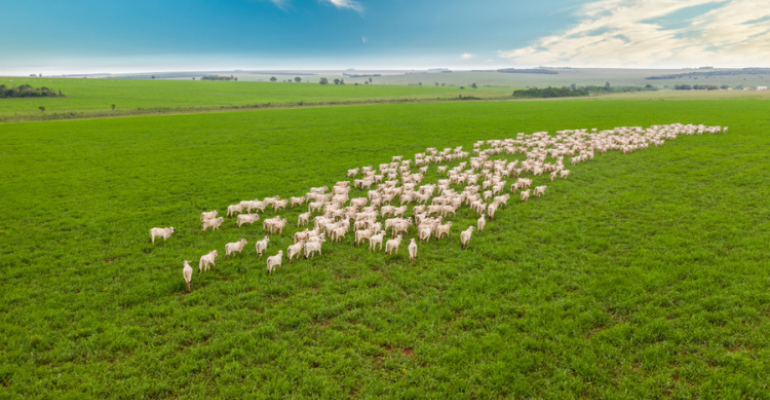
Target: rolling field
(641, 276)
(94, 97)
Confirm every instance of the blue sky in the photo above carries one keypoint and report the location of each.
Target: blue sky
(143, 35)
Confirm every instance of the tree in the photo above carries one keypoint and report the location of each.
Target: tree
(113, 107)
(336, 81)
(342, 81)
(370, 80)
(573, 86)
(436, 83)
(324, 81)
(473, 85)
(153, 77)
(443, 84)
(366, 82)
(193, 78)
(462, 87)
(607, 86)
(42, 108)
(298, 79)
(273, 79)
(235, 79)
(419, 83)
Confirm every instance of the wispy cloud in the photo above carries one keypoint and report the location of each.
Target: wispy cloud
(351, 4)
(364, 39)
(466, 56)
(660, 33)
(282, 4)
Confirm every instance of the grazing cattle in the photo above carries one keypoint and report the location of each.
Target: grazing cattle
(314, 247)
(443, 230)
(187, 273)
(246, 219)
(295, 250)
(491, 210)
(209, 215)
(274, 261)
(296, 201)
(212, 223)
(465, 236)
(234, 247)
(280, 205)
(304, 219)
(362, 235)
(412, 251)
(391, 246)
(165, 233)
(207, 260)
(233, 209)
(261, 245)
(374, 240)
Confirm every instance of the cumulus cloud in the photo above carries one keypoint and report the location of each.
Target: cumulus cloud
(466, 56)
(351, 4)
(658, 33)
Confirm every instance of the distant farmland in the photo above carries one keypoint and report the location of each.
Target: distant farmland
(92, 96)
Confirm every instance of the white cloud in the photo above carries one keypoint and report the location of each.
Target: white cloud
(351, 4)
(633, 33)
(467, 56)
(364, 39)
(280, 3)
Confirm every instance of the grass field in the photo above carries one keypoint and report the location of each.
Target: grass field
(642, 276)
(95, 96)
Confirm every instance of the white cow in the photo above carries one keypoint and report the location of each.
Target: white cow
(209, 215)
(207, 260)
(262, 245)
(465, 236)
(295, 250)
(412, 251)
(234, 247)
(165, 233)
(187, 273)
(212, 223)
(391, 246)
(246, 219)
(274, 261)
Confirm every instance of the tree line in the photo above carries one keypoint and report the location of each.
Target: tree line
(575, 91)
(535, 93)
(27, 91)
(697, 87)
(744, 71)
(218, 78)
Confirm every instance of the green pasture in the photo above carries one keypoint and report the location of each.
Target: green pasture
(92, 96)
(641, 276)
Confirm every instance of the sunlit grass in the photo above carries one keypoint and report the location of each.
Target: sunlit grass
(641, 276)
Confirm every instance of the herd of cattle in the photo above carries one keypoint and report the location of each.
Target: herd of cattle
(477, 181)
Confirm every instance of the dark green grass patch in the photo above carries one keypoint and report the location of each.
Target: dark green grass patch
(641, 276)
